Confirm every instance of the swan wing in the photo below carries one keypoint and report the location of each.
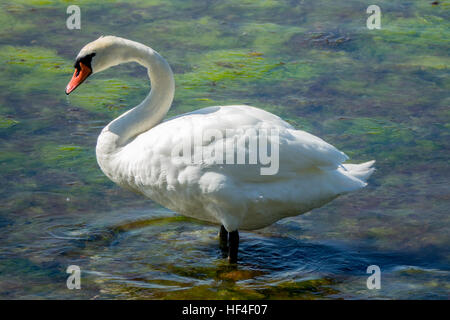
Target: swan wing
(230, 130)
(309, 173)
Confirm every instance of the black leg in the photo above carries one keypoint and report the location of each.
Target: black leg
(223, 239)
(234, 246)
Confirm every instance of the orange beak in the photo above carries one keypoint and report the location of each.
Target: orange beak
(78, 77)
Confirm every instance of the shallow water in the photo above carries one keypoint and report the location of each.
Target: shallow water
(374, 94)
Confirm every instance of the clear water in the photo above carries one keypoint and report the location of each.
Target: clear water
(375, 94)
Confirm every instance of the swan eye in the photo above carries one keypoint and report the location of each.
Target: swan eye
(78, 68)
(86, 60)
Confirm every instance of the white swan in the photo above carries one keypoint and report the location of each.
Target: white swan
(136, 151)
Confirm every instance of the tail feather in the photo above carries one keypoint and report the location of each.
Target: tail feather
(361, 171)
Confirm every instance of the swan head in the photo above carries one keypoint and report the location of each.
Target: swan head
(97, 56)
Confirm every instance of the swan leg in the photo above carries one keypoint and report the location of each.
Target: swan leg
(223, 239)
(234, 246)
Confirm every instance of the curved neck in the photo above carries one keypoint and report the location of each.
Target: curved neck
(151, 110)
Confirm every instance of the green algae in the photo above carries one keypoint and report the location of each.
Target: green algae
(219, 66)
(107, 96)
(191, 34)
(229, 290)
(31, 68)
(374, 130)
(269, 37)
(7, 122)
(433, 62)
(305, 290)
(53, 155)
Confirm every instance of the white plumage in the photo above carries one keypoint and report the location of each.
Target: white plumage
(136, 152)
